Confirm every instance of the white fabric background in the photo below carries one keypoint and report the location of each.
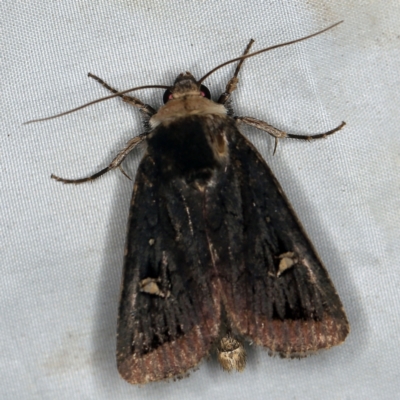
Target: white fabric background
(62, 246)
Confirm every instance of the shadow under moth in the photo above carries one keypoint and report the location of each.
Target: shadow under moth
(215, 254)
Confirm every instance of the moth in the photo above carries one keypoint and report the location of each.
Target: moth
(215, 254)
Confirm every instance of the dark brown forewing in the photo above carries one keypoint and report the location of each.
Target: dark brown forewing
(169, 310)
(274, 287)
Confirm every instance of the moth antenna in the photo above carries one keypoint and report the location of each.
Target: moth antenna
(98, 101)
(264, 50)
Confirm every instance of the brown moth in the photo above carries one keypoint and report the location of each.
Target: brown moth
(215, 254)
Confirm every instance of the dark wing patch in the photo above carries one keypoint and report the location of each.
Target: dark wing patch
(274, 287)
(169, 310)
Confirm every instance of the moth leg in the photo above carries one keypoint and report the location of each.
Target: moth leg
(116, 163)
(232, 84)
(133, 101)
(278, 134)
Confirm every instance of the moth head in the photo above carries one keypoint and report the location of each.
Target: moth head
(186, 85)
